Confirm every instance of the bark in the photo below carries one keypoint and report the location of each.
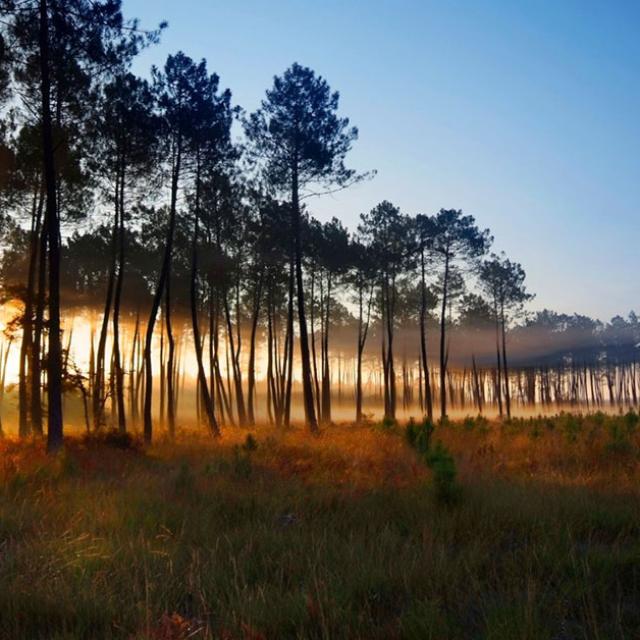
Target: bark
(155, 305)
(326, 374)
(26, 346)
(54, 360)
(171, 363)
(204, 395)
(99, 395)
(443, 356)
(252, 351)
(307, 389)
(426, 392)
(117, 360)
(507, 394)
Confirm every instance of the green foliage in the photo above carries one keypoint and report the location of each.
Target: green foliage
(619, 444)
(438, 459)
(571, 426)
(386, 424)
(441, 462)
(479, 423)
(419, 435)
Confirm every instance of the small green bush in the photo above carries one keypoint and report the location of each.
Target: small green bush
(387, 424)
(441, 462)
(419, 435)
(619, 443)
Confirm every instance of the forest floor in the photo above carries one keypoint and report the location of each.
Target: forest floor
(361, 532)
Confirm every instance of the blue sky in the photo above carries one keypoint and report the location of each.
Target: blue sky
(523, 114)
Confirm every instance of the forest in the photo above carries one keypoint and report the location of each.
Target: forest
(261, 424)
(176, 229)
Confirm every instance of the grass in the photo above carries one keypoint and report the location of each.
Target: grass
(283, 535)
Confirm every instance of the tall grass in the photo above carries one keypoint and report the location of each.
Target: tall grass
(287, 536)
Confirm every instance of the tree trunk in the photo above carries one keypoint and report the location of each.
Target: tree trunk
(428, 400)
(443, 357)
(26, 346)
(164, 272)
(326, 374)
(498, 385)
(287, 368)
(205, 395)
(99, 395)
(307, 389)
(171, 365)
(117, 360)
(54, 359)
(507, 394)
(252, 351)
(38, 330)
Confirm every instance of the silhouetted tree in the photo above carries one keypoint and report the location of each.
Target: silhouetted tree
(455, 238)
(301, 142)
(504, 281)
(387, 232)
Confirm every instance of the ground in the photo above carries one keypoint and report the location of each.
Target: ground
(280, 534)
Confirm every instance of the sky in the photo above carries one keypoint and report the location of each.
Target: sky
(525, 115)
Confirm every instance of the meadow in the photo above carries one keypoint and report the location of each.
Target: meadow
(525, 529)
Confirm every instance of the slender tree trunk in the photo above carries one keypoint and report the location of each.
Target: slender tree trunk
(363, 329)
(314, 358)
(54, 359)
(287, 369)
(498, 385)
(133, 365)
(307, 389)
(235, 365)
(443, 355)
(391, 373)
(205, 395)
(252, 351)
(507, 394)
(38, 331)
(428, 400)
(99, 394)
(164, 272)
(171, 364)
(26, 346)
(326, 373)
(117, 360)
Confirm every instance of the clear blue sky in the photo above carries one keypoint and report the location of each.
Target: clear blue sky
(523, 114)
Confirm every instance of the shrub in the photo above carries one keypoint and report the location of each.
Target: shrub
(619, 443)
(419, 435)
(387, 424)
(572, 425)
(441, 462)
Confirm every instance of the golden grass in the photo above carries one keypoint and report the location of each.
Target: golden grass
(336, 536)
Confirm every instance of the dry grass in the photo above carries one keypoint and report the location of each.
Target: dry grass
(331, 537)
